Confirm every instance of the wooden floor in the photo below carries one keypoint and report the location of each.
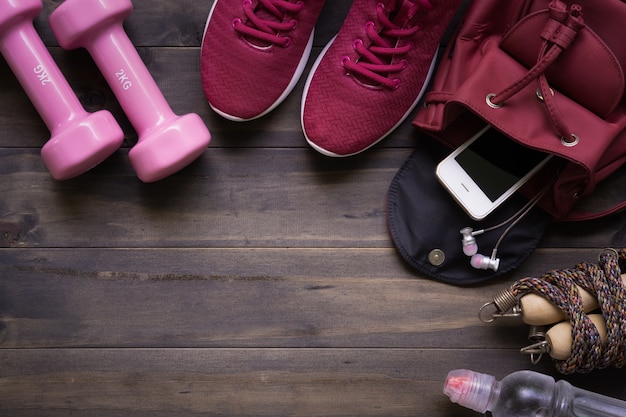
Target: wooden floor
(259, 281)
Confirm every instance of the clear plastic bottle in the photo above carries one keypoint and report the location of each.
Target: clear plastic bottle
(527, 394)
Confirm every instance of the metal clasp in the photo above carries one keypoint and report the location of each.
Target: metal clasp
(504, 304)
(539, 345)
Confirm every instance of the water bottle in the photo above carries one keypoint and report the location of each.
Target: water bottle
(527, 394)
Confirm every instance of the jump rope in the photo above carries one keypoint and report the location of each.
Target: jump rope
(576, 315)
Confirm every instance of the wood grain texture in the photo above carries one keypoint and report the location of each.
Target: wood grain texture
(258, 281)
(236, 298)
(226, 382)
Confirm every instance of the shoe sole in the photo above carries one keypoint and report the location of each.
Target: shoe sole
(292, 83)
(326, 152)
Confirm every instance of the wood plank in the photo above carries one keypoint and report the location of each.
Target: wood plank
(246, 297)
(249, 382)
(286, 197)
(257, 197)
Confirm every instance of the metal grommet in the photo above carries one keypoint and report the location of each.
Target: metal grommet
(606, 252)
(540, 95)
(490, 103)
(436, 257)
(570, 143)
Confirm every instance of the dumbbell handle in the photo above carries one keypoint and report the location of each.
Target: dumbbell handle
(130, 80)
(40, 77)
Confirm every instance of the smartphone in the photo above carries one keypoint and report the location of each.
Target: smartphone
(486, 170)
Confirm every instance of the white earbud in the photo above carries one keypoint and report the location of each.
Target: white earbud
(479, 261)
(470, 247)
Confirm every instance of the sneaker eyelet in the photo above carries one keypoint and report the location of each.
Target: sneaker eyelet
(356, 43)
(287, 42)
(246, 3)
(396, 83)
(293, 23)
(404, 63)
(380, 6)
(344, 59)
(236, 21)
(370, 25)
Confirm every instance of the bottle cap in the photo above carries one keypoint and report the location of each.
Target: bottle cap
(469, 389)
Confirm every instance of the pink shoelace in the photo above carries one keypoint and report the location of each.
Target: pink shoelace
(376, 65)
(267, 22)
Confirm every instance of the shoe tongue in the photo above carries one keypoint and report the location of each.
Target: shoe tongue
(403, 11)
(264, 14)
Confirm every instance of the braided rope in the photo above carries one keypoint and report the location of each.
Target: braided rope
(603, 280)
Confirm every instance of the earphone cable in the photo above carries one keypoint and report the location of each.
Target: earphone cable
(518, 216)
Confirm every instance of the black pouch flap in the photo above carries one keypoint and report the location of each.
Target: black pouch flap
(425, 222)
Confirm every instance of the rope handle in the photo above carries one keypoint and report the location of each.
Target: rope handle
(603, 280)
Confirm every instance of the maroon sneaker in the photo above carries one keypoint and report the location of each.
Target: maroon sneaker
(254, 52)
(370, 77)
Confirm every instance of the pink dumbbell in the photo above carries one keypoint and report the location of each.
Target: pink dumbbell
(167, 142)
(80, 140)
